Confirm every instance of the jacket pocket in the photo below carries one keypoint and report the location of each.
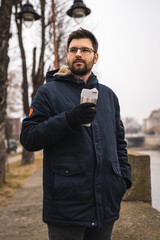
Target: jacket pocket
(69, 168)
(117, 171)
(70, 180)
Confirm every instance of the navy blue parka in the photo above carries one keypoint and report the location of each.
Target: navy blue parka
(85, 170)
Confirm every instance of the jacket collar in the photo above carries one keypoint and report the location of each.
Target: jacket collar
(64, 74)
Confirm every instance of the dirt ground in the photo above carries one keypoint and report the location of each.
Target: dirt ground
(21, 219)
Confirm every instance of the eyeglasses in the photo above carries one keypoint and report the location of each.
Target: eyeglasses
(84, 50)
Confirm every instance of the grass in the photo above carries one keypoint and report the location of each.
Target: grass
(16, 176)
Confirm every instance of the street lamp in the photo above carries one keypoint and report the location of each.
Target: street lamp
(78, 11)
(28, 14)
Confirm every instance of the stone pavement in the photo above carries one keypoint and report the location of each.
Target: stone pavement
(21, 219)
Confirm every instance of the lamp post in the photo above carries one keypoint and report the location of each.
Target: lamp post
(78, 11)
(28, 14)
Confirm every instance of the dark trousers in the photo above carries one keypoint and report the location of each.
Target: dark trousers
(79, 233)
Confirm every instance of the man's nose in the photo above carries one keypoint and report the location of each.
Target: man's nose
(78, 53)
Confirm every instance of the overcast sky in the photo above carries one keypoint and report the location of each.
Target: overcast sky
(128, 32)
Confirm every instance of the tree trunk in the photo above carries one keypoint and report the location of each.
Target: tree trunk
(56, 65)
(38, 77)
(3, 154)
(24, 67)
(27, 157)
(5, 19)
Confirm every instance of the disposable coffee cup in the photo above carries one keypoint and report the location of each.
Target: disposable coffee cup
(89, 95)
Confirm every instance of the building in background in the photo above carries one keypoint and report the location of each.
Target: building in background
(151, 125)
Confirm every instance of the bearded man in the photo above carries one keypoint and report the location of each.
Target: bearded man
(85, 168)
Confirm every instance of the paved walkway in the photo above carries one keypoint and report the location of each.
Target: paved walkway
(21, 218)
(13, 159)
(18, 157)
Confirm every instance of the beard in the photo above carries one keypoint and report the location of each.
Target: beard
(79, 69)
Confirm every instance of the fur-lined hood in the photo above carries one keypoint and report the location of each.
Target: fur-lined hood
(65, 74)
(63, 71)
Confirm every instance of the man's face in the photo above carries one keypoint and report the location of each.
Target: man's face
(79, 63)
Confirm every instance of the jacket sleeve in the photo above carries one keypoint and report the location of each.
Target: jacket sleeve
(121, 148)
(43, 127)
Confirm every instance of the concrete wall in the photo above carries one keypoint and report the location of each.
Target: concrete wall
(141, 178)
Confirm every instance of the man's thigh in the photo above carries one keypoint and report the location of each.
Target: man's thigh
(65, 233)
(79, 233)
(103, 233)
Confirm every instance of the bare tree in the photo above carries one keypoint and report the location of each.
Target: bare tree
(27, 157)
(8, 129)
(37, 76)
(5, 19)
(131, 125)
(14, 101)
(63, 26)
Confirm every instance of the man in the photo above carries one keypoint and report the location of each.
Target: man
(85, 169)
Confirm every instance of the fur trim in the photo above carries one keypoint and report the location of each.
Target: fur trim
(63, 71)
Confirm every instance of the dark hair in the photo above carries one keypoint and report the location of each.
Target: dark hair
(83, 33)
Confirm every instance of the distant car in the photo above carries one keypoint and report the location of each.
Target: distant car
(11, 145)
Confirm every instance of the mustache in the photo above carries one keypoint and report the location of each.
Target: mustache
(78, 60)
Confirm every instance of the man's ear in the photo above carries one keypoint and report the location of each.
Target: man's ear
(96, 56)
